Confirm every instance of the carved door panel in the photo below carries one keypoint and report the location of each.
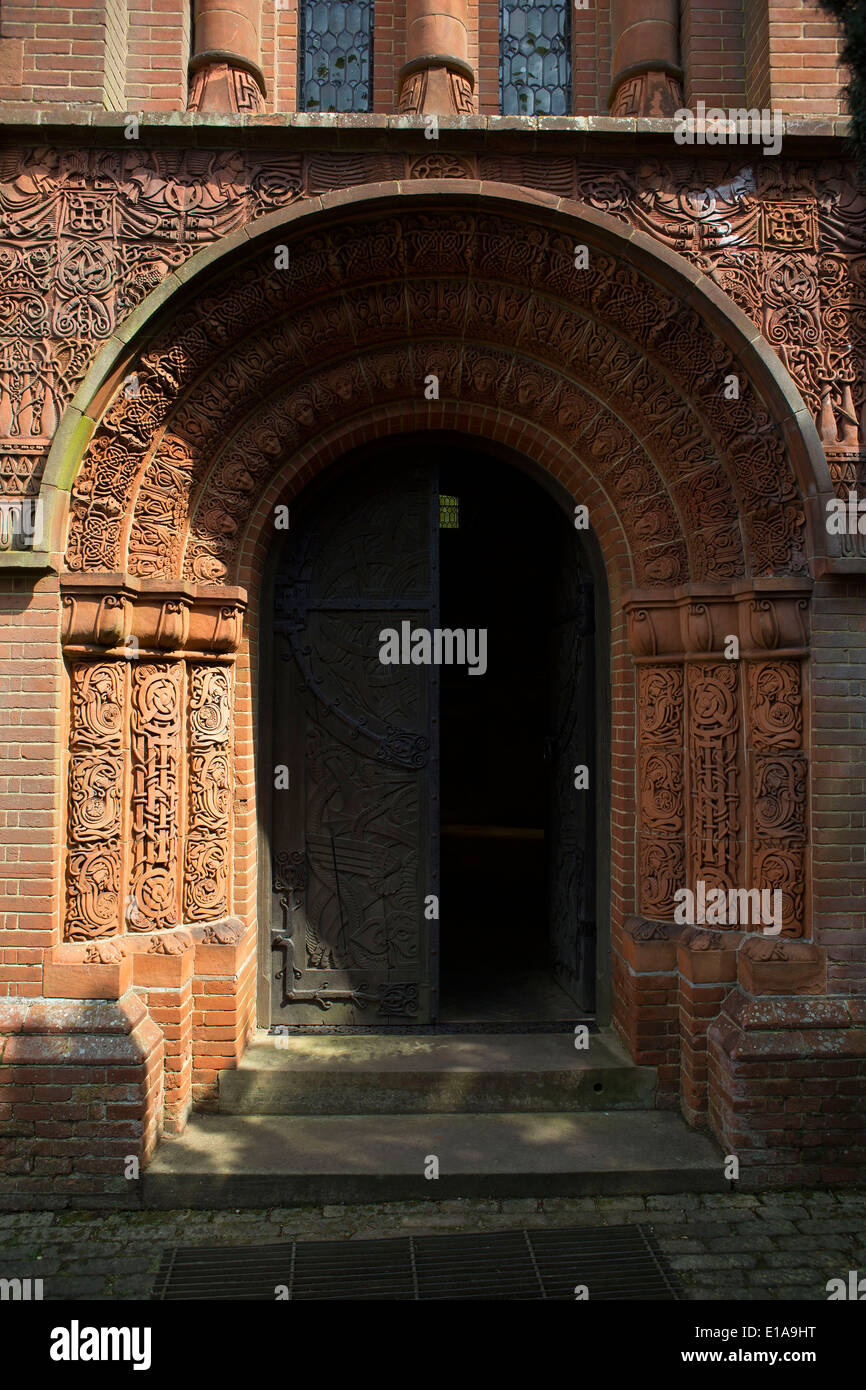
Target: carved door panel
(571, 816)
(356, 832)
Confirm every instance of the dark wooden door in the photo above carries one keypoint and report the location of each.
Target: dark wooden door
(355, 834)
(571, 815)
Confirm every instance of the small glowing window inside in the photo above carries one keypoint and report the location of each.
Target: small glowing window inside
(449, 512)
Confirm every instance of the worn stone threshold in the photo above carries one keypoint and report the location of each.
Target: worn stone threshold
(263, 1160)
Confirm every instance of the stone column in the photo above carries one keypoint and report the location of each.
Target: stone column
(437, 78)
(646, 72)
(225, 72)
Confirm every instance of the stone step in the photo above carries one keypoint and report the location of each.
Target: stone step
(439, 1074)
(278, 1160)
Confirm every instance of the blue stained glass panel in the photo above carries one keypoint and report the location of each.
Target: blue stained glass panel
(336, 56)
(535, 57)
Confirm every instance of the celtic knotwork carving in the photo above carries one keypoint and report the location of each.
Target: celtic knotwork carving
(661, 783)
(661, 789)
(156, 701)
(633, 344)
(206, 859)
(95, 799)
(780, 797)
(399, 999)
(779, 786)
(784, 869)
(775, 704)
(662, 873)
(660, 704)
(712, 703)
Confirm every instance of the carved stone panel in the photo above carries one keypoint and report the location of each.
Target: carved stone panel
(660, 788)
(209, 794)
(95, 816)
(713, 710)
(157, 713)
(778, 790)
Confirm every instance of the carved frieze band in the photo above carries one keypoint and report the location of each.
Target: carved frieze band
(96, 799)
(209, 794)
(778, 800)
(662, 807)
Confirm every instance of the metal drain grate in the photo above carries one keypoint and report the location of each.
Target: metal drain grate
(614, 1262)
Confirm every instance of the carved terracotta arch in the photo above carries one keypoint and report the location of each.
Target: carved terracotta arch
(474, 280)
(317, 329)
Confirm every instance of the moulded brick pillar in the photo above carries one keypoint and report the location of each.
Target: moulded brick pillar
(223, 1003)
(707, 966)
(646, 1000)
(646, 72)
(437, 77)
(787, 1088)
(163, 976)
(225, 67)
(31, 723)
(81, 1095)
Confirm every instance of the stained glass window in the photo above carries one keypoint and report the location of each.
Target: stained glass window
(336, 56)
(449, 512)
(534, 58)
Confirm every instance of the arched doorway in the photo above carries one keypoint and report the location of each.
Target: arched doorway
(433, 818)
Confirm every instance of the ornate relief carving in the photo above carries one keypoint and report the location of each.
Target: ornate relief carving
(157, 701)
(775, 704)
(779, 786)
(209, 780)
(603, 310)
(224, 86)
(96, 800)
(712, 703)
(89, 232)
(662, 872)
(661, 790)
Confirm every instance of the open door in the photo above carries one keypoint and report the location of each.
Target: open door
(355, 832)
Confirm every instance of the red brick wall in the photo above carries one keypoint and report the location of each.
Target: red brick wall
(792, 59)
(839, 780)
(486, 14)
(280, 54)
(590, 59)
(159, 45)
(785, 56)
(712, 46)
(389, 51)
(62, 50)
(32, 733)
(757, 54)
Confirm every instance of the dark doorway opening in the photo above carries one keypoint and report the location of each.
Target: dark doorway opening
(504, 546)
(402, 778)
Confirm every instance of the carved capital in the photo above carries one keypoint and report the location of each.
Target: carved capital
(134, 617)
(777, 965)
(693, 621)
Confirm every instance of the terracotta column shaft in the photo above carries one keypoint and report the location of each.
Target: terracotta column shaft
(225, 69)
(647, 76)
(437, 78)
